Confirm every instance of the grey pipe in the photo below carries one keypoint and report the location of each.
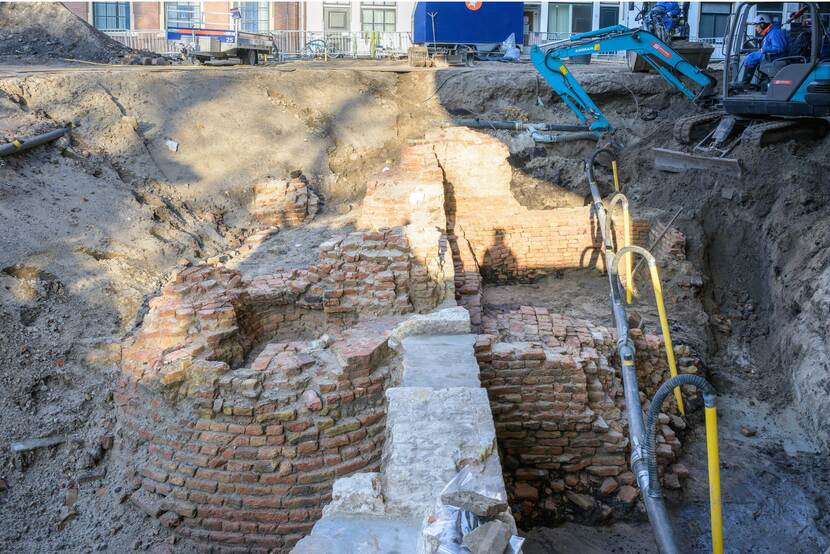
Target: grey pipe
(655, 507)
(654, 411)
(29, 143)
(549, 138)
(515, 125)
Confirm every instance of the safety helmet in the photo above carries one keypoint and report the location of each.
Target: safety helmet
(761, 19)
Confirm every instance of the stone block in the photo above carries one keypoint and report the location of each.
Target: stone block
(490, 538)
(356, 494)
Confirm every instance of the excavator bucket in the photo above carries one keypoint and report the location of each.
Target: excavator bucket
(677, 162)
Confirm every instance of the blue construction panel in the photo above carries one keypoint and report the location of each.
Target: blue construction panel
(455, 23)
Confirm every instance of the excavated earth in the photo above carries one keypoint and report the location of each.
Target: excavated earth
(160, 172)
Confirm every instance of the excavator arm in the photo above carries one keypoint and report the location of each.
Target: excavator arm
(547, 60)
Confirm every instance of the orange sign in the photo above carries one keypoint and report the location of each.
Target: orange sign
(473, 6)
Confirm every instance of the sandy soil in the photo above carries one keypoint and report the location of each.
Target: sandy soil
(93, 226)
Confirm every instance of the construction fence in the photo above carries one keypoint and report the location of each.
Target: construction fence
(291, 44)
(319, 44)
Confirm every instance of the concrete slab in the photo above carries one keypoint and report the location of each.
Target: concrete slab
(447, 321)
(361, 535)
(440, 362)
(429, 433)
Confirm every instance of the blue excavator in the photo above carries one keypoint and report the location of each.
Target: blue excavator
(789, 100)
(548, 59)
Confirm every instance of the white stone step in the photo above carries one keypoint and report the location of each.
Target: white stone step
(440, 361)
(361, 535)
(429, 432)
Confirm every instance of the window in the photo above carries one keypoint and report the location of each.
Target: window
(111, 15)
(182, 14)
(336, 16)
(772, 9)
(559, 18)
(570, 17)
(609, 14)
(255, 17)
(714, 18)
(377, 16)
(581, 17)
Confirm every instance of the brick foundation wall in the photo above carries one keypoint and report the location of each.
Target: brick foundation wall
(490, 235)
(672, 245)
(286, 16)
(560, 414)
(233, 420)
(255, 475)
(147, 15)
(284, 202)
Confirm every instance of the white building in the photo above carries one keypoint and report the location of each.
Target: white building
(706, 19)
(356, 17)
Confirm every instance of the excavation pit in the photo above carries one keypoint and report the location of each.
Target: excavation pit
(244, 397)
(489, 221)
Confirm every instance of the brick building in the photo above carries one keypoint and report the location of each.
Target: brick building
(139, 16)
(255, 16)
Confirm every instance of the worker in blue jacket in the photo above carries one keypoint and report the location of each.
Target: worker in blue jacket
(665, 13)
(672, 11)
(774, 45)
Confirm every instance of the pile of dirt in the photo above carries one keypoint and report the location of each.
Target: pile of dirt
(41, 31)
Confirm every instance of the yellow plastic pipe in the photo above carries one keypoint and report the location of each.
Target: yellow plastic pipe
(661, 309)
(629, 275)
(620, 198)
(616, 177)
(664, 325)
(715, 508)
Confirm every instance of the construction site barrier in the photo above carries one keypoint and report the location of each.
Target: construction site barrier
(152, 40)
(320, 44)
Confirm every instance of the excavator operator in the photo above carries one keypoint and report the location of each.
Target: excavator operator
(774, 44)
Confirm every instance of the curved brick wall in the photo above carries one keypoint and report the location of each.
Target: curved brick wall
(236, 411)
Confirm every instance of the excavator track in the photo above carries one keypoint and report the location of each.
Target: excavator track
(773, 132)
(692, 128)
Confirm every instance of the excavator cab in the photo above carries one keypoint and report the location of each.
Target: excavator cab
(796, 84)
(789, 101)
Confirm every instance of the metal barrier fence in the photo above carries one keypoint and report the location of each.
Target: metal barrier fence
(153, 40)
(291, 44)
(306, 44)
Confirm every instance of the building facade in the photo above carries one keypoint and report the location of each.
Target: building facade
(259, 17)
(707, 20)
